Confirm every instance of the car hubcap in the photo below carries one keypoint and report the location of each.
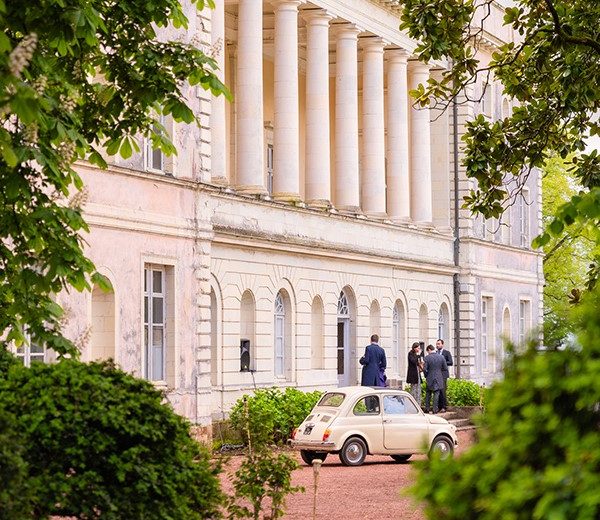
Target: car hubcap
(443, 449)
(354, 452)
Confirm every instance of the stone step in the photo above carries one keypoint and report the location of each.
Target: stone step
(459, 423)
(449, 415)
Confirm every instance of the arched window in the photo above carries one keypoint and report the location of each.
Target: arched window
(279, 336)
(443, 328)
(375, 318)
(423, 324)
(343, 309)
(247, 324)
(398, 342)
(317, 333)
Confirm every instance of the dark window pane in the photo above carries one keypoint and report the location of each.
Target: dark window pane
(157, 282)
(157, 310)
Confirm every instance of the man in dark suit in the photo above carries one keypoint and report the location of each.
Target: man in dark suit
(433, 369)
(439, 345)
(374, 364)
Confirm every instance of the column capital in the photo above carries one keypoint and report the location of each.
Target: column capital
(397, 55)
(317, 16)
(346, 31)
(372, 44)
(416, 66)
(286, 4)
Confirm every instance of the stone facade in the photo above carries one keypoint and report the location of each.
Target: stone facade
(314, 210)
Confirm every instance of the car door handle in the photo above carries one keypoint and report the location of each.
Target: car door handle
(387, 420)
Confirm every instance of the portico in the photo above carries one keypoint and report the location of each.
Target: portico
(322, 115)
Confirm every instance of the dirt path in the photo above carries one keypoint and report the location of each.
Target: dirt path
(370, 492)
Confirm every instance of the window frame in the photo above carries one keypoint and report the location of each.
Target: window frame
(279, 311)
(487, 320)
(26, 356)
(149, 325)
(524, 217)
(149, 150)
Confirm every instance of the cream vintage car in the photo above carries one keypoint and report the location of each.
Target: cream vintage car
(357, 421)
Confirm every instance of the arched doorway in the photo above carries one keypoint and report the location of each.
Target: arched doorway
(346, 355)
(102, 340)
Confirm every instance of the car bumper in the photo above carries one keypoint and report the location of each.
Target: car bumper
(312, 445)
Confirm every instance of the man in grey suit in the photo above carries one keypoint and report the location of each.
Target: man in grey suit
(434, 368)
(439, 345)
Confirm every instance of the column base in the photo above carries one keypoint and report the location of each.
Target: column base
(380, 215)
(251, 190)
(425, 225)
(350, 210)
(401, 220)
(286, 197)
(219, 181)
(322, 204)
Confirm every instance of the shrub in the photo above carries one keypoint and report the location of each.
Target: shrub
(464, 393)
(273, 413)
(538, 451)
(99, 443)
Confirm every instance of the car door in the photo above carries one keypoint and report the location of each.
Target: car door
(365, 419)
(405, 428)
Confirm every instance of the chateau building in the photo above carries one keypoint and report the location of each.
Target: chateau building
(318, 207)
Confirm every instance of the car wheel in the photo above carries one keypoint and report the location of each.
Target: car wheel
(401, 458)
(442, 447)
(309, 456)
(353, 452)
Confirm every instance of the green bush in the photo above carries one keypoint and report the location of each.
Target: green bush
(273, 413)
(538, 451)
(464, 393)
(98, 443)
(460, 392)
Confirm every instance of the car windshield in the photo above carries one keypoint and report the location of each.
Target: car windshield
(334, 399)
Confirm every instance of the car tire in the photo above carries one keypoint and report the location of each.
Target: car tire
(354, 452)
(442, 447)
(309, 456)
(401, 458)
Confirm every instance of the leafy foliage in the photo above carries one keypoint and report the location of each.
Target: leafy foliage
(464, 393)
(273, 413)
(567, 256)
(15, 495)
(96, 442)
(264, 477)
(552, 70)
(538, 451)
(77, 75)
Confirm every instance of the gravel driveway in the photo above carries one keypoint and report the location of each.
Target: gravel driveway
(369, 492)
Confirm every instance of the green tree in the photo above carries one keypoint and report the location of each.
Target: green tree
(75, 76)
(537, 455)
(95, 442)
(552, 70)
(567, 257)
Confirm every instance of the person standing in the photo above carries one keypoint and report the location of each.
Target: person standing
(433, 369)
(413, 373)
(439, 345)
(374, 364)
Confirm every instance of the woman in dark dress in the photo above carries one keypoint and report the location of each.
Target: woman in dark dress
(413, 374)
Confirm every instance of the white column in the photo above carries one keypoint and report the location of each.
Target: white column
(317, 162)
(218, 127)
(286, 137)
(249, 100)
(373, 130)
(420, 151)
(346, 120)
(398, 183)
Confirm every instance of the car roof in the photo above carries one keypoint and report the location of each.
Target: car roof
(352, 391)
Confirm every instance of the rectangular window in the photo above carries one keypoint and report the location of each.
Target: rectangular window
(30, 353)
(154, 323)
(486, 99)
(269, 163)
(524, 320)
(487, 331)
(523, 204)
(155, 159)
